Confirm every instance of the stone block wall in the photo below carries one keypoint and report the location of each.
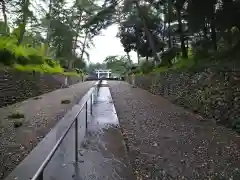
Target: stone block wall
(213, 94)
(16, 86)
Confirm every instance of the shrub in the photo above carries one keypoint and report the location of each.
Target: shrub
(21, 55)
(43, 68)
(201, 49)
(146, 67)
(78, 70)
(50, 62)
(6, 57)
(36, 59)
(23, 60)
(184, 64)
(6, 54)
(168, 55)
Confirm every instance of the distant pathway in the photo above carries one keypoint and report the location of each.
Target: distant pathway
(40, 116)
(168, 142)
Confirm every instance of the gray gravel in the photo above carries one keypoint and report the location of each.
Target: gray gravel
(168, 142)
(41, 114)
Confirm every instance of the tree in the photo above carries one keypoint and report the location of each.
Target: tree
(25, 13)
(3, 4)
(118, 64)
(179, 6)
(141, 31)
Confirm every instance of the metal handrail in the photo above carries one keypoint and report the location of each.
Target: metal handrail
(39, 174)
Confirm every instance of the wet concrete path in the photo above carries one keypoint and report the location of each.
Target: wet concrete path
(102, 153)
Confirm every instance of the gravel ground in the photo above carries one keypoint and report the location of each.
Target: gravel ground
(40, 115)
(168, 142)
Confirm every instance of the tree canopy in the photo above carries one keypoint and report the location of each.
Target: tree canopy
(63, 31)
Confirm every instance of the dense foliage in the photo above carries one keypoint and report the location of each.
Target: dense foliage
(59, 32)
(168, 30)
(50, 34)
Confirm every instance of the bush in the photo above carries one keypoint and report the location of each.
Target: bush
(21, 55)
(23, 60)
(43, 68)
(6, 54)
(6, 57)
(26, 58)
(50, 62)
(36, 59)
(168, 55)
(184, 64)
(146, 67)
(78, 70)
(201, 49)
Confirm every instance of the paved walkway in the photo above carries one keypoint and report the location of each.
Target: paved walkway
(168, 142)
(40, 116)
(102, 153)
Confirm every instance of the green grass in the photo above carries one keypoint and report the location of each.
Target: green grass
(43, 68)
(161, 69)
(28, 59)
(183, 64)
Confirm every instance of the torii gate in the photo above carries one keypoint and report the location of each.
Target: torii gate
(99, 72)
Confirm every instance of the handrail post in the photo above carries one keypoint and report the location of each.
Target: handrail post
(39, 174)
(91, 108)
(86, 123)
(76, 140)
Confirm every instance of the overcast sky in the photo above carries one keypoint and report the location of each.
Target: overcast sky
(108, 44)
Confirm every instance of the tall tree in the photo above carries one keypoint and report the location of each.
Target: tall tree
(179, 6)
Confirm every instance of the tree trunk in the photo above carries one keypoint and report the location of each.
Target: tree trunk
(164, 29)
(149, 36)
(48, 29)
(5, 16)
(205, 31)
(229, 37)
(213, 34)
(213, 29)
(138, 57)
(147, 58)
(24, 21)
(129, 58)
(84, 45)
(77, 33)
(183, 48)
(169, 23)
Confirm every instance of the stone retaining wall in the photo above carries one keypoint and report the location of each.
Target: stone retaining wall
(17, 86)
(214, 95)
